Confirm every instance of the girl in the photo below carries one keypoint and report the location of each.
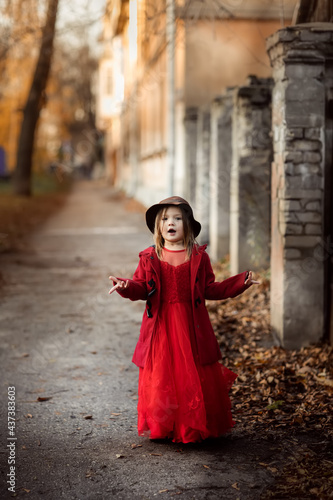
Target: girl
(183, 388)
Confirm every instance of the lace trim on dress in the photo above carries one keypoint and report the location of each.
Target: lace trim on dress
(175, 283)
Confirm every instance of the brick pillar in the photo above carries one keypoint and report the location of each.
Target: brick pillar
(298, 57)
(202, 194)
(250, 177)
(220, 165)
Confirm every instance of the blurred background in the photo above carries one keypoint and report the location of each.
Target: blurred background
(227, 103)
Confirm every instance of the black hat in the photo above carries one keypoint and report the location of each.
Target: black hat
(177, 201)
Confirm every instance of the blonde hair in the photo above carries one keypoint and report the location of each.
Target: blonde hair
(189, 239)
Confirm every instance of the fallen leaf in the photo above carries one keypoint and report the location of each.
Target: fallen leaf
(156, 454)
(206, 466)
(133, 446)
(315, 491)
(324, 381)
(274, 405)
(118, 455)
(163, 491)
(28, 415)
(115, 414)
(297, 420)
(235, 486)
(43, 398)
(88, 417)
(304, 369)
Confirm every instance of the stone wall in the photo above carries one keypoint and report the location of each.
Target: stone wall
(299, 58)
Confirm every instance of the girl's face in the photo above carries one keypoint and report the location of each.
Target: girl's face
(171, 226)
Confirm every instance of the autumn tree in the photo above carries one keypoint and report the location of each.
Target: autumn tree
(5, 29)
(35, 102)
(75, 68)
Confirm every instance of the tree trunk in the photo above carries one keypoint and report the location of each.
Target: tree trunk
(319, 11)
(34, 104)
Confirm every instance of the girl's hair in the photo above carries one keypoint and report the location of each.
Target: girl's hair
(189, 240)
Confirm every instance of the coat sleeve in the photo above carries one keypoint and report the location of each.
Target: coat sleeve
(231, 287)
(137, 288)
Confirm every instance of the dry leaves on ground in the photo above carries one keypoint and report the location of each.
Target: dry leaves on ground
(278, 393)
(275, 387)
(21, 215)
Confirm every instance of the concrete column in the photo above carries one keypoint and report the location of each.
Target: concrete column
(250, 177)
(181, 180)
(134, 143)
(220, 165)
(298, 56)
(191, 130)
(124, 150)
(202, 193)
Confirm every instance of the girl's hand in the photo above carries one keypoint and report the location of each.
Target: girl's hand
(249, 281)
(120, 285)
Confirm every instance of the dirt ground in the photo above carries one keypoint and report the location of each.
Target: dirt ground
(66, 349)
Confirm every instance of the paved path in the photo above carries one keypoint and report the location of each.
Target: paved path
(64, 338)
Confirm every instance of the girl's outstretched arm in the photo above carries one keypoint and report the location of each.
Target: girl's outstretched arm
(120, 285)
(250, 281)
(230, 287)
(133, 289)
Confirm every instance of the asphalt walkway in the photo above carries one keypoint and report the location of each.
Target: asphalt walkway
(66, 348)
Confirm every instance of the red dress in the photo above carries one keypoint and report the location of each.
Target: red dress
(179, 398)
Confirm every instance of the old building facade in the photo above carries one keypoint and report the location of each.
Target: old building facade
(213, 47)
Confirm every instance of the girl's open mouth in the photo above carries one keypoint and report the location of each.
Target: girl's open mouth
(171, 231)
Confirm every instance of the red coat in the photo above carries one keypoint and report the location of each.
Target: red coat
(146, 285)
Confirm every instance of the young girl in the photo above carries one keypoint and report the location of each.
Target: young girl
(183, 388)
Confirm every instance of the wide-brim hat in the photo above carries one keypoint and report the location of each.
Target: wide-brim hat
(177, 201)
